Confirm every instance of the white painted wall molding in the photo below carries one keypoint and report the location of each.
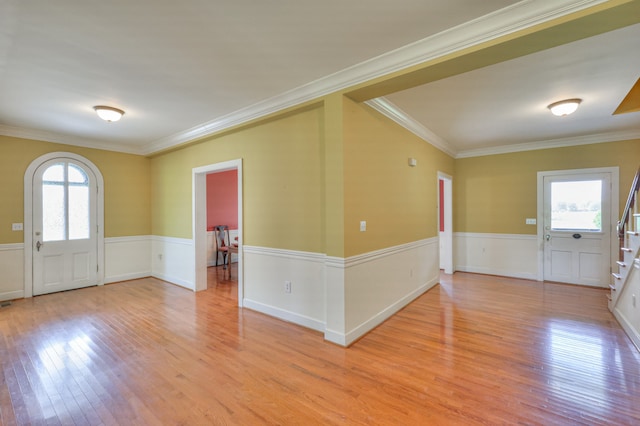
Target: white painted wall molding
(289, 254)
(387, 108)
(552, 143)
(11, 247)
(127, 258)
(509, 255)
(173, 260)
(387, 251)
(12, 276)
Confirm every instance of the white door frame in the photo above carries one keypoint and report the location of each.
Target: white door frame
(447, 235)
(199, 220)
(614, 215)
(28, 214)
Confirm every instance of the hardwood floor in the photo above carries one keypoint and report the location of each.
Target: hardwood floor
(473, 350)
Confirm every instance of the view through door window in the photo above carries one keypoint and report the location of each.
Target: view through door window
(576, 205)
(65, 203)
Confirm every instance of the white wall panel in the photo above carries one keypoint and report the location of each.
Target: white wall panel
(380, 283)
(266, 271)
(173, 260)
(127, 258)
(12, 271)
(509, 255)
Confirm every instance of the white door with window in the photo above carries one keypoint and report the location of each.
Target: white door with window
(577, 228)
(64, 226)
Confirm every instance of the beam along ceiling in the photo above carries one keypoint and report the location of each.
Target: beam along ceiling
(182, 70)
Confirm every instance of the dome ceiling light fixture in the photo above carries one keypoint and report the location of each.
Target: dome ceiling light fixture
(566, 107)
(108, 113)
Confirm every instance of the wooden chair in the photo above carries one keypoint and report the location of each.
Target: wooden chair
(222, 243)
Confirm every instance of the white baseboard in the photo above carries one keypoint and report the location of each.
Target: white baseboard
(498, 272)
(284, 315)
(11, 295)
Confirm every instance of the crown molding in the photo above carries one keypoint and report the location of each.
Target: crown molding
(508, 20)
(42, 135)
(390, 110)
(553, 143)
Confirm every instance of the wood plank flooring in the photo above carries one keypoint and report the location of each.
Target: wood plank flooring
(473, 350)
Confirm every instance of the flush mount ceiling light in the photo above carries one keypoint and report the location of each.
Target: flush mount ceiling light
(566, 107)
(108, 113)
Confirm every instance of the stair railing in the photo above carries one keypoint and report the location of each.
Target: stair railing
(626, 214)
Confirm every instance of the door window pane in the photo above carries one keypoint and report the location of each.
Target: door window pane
(65, 203)
(78, 212)
(576, 205)
(78, 203)
(53, 212)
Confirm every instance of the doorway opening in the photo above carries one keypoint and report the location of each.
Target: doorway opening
(200, 236)
(445, 221)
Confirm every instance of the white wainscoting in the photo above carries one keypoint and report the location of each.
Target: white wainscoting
(12, 275)
(127, 258)
(380, 283)
(509, 255)
(344, 298)
(173, 260)
(265, 273)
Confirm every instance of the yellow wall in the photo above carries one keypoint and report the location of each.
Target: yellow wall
(495, 193)
(126, 181)
(398, 202)
(282, 182)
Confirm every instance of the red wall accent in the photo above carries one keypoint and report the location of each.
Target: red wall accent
(441, 205)
(222, 199)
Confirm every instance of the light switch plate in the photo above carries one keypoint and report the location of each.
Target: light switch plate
(530, 221)
(16, 227)
(363, 225)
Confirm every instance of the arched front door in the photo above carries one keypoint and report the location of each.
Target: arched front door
(65, 225)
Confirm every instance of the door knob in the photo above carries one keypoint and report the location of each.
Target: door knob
(547, 237)
(38, 245)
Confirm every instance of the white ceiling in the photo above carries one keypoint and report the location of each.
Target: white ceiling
(494, 108)
(185, 69)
